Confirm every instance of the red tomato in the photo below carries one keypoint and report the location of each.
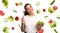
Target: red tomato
(44, 10)
(50, 21)
(12, 28)
(16, 4)
(16, 18)
(2, 13)
(41, 31)
(55, 7)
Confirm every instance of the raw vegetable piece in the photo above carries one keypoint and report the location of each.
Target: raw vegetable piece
(5, 29)
(37, 3)
(5, 2)
(12, 28)
(55, 31)
(50, 21)
(5, 19)
(44, 10)
(41, 31)
(51, 10)
(52, 2)
(55, 7)
(38, 11)
(2, 13)
(46, 17)
(16, 18)
(40, 23)
(11, 18)
(20, 3)
(58, 16)
(14, 10)
(53, 24)
(17, 4)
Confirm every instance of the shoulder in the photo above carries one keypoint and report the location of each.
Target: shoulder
(24, 17)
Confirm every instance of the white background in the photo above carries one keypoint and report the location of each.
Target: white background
(43, 4)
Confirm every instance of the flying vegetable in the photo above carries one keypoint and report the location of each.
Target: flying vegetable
(53, 24)
(5, 2)
(37, 3)
(38, 11)
(52, 2)
(5, 30)
(11, 18)
(55, 31)
(51, 10)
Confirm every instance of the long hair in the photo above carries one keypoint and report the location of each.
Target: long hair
(26, 13)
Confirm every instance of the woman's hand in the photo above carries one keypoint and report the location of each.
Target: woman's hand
(38, 27)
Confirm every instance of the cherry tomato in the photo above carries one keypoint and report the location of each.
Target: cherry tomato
(2, 13)
(55, 7)
(16, 4)
(44, 10)
(50, 21)
(12, 28)
(16, 18)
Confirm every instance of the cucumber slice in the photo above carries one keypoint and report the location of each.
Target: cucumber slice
(14, 10)
(55, 31)
(5, 19)
(52, 2)
(46, 17)
(37, 3)
(58, 16)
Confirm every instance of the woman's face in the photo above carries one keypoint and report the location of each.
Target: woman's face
(29, 9)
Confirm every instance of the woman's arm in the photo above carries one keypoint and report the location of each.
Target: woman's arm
(22, 25)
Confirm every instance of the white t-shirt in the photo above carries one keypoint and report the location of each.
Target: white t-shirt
(30, 23)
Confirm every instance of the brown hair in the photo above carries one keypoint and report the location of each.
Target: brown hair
(26, 13)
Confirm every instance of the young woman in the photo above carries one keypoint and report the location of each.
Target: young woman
(29, 20)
